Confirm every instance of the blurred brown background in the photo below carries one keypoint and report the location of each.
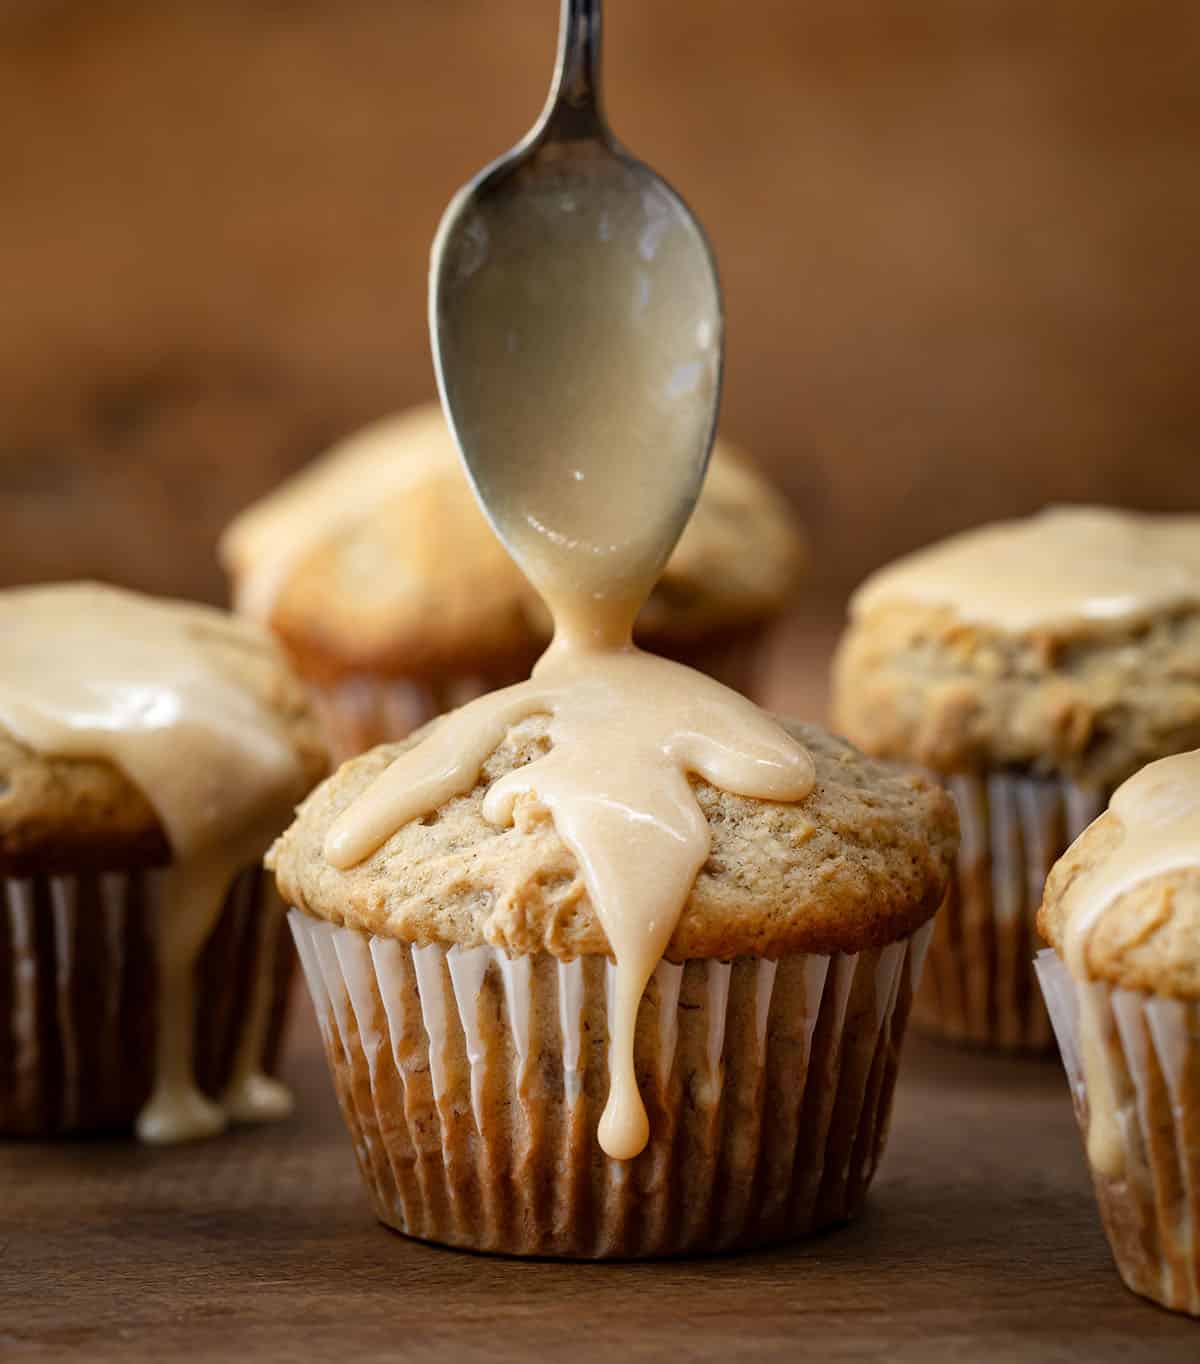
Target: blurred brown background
(959, 242)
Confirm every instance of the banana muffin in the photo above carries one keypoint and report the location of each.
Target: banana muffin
(462, 979)
(1122, 913)
(1033, 665)
(149, 752)
(377, 571)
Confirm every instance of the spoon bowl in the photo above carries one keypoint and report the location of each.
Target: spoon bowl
(577, 334)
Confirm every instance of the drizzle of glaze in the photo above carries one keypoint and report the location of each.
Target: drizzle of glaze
(93, 672)
(581, 378)
(1066, 567)
(251, 1095)
(1159, 812)
(627, 730)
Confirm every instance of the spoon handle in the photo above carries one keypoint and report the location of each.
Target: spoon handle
(573, 111)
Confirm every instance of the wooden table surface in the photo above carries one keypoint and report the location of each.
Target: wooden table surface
(980, 1242)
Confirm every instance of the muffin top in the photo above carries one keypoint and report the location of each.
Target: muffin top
(861, 862)
(1068, 643)
(377, 559)
(133, 728)
(1122, 904)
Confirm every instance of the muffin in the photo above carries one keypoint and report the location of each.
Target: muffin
(463, 983)
(1122, 912)
(377, 571)
(149, 753)
(1032, 665)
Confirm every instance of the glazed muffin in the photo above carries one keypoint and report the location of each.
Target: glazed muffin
(1032, 665)
(377, 571)
(463, 980)
(149, 752)
(1122, 911)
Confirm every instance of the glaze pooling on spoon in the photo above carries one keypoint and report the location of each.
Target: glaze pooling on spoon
(1159, 812)
(1066, 567)
(583, 355)
(627, 731)
(92, 672)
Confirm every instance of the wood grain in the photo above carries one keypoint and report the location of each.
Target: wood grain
(980, 1242)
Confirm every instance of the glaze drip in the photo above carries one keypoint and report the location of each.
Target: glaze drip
(627, 730)
(93, 672)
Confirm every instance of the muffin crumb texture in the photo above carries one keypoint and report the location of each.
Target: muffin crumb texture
(919, 683)
(861, 862)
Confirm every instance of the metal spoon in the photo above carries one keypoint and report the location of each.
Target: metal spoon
(577, 334)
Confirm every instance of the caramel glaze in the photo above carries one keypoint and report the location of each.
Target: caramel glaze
(583, 394)
(92, 672)
(1068, 568)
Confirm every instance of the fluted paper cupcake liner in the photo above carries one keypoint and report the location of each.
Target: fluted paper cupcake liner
(979, 985)
(78, 995)
(473, 1083)
(1151, 1047)
(359, 712)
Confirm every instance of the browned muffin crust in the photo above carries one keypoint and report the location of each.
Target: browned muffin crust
(65, 814)
(441, 594)
(1148, 938)
(418, 587)
(919, 683)
(861, 862)
(71, 814)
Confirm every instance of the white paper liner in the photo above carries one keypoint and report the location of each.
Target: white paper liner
(77, 990)
(979, 986)
(1152, 1047)
(473, 1084)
